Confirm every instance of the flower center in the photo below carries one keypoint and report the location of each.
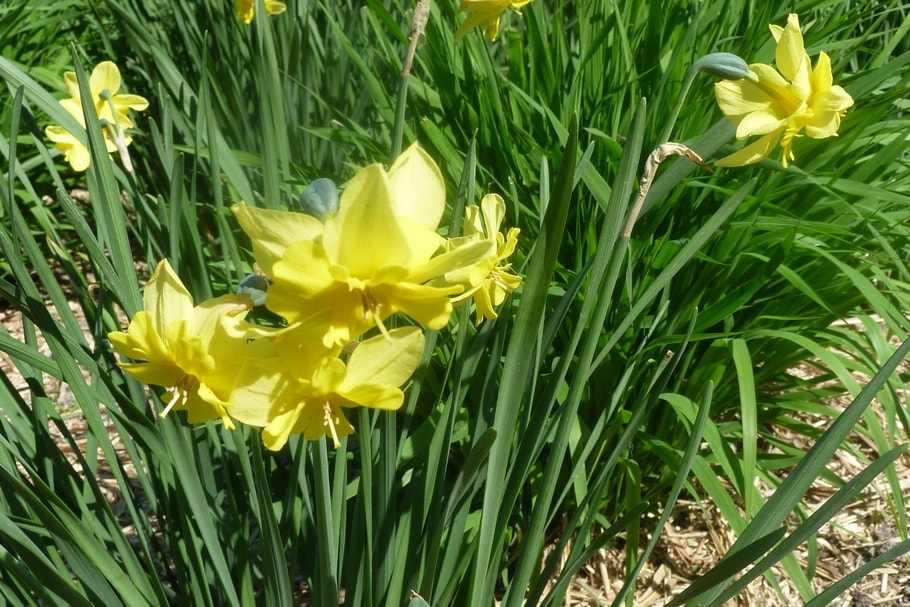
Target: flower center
(181, 392)
(330, 421)
(372, 311)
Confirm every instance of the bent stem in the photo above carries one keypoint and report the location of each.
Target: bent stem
(418, 25)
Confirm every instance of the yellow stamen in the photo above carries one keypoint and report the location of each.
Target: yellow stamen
(371, 311)
(330, 422)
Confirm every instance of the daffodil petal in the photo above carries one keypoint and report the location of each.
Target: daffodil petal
(760, 122)
(375, 396)
(165, 298)
(417, 187)
(105, 77)
(365, 234)
(753, 152)
(381, 360)
(259, 391)
(156, 374)
(740, 97)
(790, 50)
(427, 305)
(271, 232)
(274, 8)
(142, 341)
(276, 433)
(456, 259)
(133, 102)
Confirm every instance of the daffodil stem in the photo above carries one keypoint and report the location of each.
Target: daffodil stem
(674, 113)
(657, 156)
(398, 128)
(325, 525)
(418, 25)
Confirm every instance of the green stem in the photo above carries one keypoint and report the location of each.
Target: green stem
(325, 529)
(674, 114)
(398, 127)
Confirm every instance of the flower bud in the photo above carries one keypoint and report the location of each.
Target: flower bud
(724, 65)
(320, 198)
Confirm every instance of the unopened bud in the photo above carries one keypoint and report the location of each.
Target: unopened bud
(724, 65)
(320, 198)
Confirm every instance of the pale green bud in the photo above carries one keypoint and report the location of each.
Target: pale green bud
(724, 65)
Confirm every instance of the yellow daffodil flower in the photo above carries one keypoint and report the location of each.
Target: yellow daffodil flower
(295, 392)
(373, 256)
(112, 108)
(193, 351)
(777, 106)
(104, 83)
(489, 280)
(246, 9)
(485, 13)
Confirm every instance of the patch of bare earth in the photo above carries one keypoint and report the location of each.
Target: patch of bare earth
(692, 543)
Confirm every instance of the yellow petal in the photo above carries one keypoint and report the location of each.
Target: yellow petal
(753, 152)
(133, 102)
(462, 254)
(74, 108)
(365, 233)
(72, 85)
(427, 305)
(375, 396)
(494, 211)
(105, 77)
(142, 341)
(276, 434)
(205, 406)
(381, 360)
(271, 232)
(791, 51)
(74, 152)
(302, 273)
(759, 123)
(258, 394)
(165, 298)
(739, 98)
(417, 188)
(274, 8)
(156, 374)
(483, 306)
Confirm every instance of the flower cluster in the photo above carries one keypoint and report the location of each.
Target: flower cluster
(778, 105)
(332, 279)
(112, 109)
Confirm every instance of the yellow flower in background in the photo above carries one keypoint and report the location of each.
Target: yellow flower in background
(193, 351)
(777, 105)
(304, 389)
(489, 280)
(104, 83)
(373, 256)
(486, 14)
(246, 9)
(112, 109)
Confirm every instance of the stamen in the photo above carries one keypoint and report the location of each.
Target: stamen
(179, 396)
(371, 312)
(182, 389)
(330, 422)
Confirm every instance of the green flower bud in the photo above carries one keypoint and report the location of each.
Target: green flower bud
(724, 65)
